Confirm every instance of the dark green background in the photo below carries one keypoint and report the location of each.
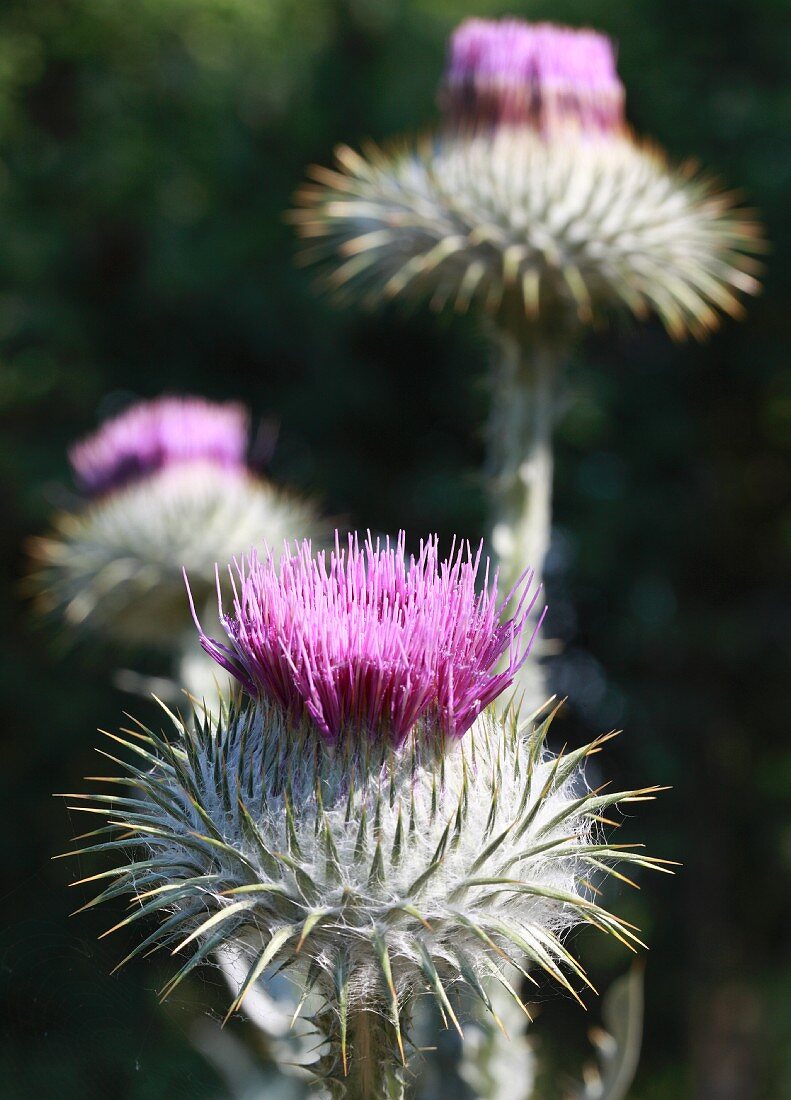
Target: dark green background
(149, 149)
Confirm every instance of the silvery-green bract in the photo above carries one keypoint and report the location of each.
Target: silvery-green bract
(371, 874)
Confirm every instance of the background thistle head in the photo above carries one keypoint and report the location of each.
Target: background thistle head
(533, 203)
(152, 435)
(538, 75)
(166, 485)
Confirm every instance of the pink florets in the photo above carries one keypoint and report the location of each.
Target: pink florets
(369, 640)
(538, 74)
(153, 434)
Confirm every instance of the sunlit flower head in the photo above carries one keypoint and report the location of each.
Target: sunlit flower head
(370, 640)
(370, 869)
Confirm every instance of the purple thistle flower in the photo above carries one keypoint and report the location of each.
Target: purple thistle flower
(154, 434)
(371, 640)
(534, 74)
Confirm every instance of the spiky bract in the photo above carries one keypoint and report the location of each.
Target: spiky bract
(558, 231)
(371, 640)
(114, 566)
(371, 874)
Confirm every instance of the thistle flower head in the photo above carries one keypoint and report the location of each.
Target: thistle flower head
(556, 218)
(167, 489)
(151, 435)
(534, 74)
(370, 869)
(372, 641)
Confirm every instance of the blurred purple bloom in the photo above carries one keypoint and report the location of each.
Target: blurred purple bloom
(370, 640)
(538, 74)
(154, 434)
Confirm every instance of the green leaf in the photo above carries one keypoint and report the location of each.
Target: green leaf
(160, 935)
(152, 906)
(501, 978)
(376, 875)
(417, 885)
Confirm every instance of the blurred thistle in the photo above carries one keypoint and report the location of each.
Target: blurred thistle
(165, 485)
(535, 206)
(154, 434)
(542, 76)
(361, 823)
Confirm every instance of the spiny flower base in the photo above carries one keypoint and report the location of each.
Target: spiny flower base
(372, 875)
(565, 229)
(363, 1056)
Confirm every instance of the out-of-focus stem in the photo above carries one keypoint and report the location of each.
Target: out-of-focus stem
(493, 1065)
(520, 471)
(519, 462)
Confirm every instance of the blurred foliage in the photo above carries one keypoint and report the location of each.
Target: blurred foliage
(147, 152)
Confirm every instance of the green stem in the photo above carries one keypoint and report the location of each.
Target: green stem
(520, 472)
(520, 453)
(369, 1066)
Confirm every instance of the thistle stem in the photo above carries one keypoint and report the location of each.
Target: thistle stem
(368, 1067)
(520, 470)
(520, 462)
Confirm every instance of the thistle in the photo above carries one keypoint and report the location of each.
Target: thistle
(164, 486)
(365, 822)
(534, 206)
